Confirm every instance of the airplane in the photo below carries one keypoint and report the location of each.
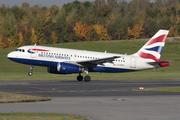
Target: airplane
(70, 61)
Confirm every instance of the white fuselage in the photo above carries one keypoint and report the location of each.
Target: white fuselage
(50, 56)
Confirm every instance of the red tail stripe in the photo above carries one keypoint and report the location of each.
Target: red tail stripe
(147, 56)
(158, 39)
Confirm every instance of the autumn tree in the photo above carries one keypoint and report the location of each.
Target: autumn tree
(83, 31)
(54, 37)
(25, 6)
(135, 32)
(2, 42)
(34, 38)
(101, 31)
(9, 30)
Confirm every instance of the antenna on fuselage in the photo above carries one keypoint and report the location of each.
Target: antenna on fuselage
(35, 44)
(105, 51)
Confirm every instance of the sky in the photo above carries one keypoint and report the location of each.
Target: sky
(47, 3)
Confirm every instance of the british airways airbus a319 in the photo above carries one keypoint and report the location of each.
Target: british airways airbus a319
(69, 61)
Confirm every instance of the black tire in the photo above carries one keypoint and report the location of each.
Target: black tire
(87, 78)
(30, 73)
(80, 78)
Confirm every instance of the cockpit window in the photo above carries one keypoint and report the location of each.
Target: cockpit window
(20, 50)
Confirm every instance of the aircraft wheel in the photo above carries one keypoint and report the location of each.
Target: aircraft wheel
(79, 78)
(30, 73)
(87, 78)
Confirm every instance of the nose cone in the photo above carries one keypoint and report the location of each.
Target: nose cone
(10, 55)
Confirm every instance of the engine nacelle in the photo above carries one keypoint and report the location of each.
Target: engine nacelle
(65, 68)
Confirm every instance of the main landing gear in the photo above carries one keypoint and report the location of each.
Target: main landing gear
(87, 78)
(31, 69)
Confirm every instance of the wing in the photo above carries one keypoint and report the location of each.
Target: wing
(95, 62)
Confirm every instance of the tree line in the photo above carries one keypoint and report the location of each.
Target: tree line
(87, 21)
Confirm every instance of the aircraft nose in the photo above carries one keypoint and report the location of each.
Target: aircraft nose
(9, 55)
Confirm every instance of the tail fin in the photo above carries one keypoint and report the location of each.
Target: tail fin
(153, 48)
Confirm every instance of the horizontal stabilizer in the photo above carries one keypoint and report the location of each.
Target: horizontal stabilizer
(161, 63)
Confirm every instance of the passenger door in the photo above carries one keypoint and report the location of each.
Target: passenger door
(133, 62)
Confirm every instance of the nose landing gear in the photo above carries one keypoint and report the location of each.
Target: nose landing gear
(31, 69)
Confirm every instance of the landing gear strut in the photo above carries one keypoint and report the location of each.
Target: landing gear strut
(31, 69)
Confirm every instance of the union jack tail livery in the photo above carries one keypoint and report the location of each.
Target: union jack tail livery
(153, 48)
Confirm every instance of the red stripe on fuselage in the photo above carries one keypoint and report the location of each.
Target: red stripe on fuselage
(158, 39)
(39, 50)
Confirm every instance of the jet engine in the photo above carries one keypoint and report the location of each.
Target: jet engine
(65, 68)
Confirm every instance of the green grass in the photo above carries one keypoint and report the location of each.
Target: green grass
(10, 70)
(38, 116)
(15, 98)
(164, 89)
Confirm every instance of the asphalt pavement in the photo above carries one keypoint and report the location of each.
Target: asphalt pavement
(98, 99)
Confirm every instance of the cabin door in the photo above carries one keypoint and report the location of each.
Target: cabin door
(133, 62)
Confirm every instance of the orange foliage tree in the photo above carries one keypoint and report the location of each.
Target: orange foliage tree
(101, 31)
(83, 31)
(135, 32)
(34, 38)
(54, 37)
(2, 44)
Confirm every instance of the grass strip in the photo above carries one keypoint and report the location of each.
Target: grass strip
(39, 116)
(15, 98)
(164, 89)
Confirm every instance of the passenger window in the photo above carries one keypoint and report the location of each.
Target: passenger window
(19, 50)
(23, 50)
